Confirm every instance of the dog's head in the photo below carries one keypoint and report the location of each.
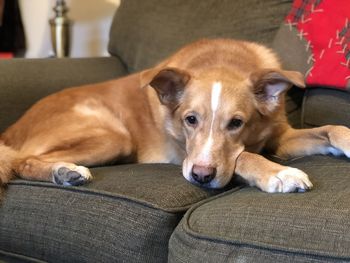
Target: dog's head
(217, 115)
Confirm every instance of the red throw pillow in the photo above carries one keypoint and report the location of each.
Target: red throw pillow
(315, 39)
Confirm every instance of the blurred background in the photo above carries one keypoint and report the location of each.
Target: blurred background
(91, 21)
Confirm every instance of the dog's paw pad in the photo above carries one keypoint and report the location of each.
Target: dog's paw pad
(70, 174)
(289, 180)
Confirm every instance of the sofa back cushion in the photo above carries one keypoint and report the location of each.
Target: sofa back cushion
(145, 32)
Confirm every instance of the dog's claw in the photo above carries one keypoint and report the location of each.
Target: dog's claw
(70, 174)
(289, 180)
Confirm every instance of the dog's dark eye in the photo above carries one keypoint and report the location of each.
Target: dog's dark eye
(235, 123)
(191, 120)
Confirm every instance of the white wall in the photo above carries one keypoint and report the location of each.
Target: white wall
(90, 29)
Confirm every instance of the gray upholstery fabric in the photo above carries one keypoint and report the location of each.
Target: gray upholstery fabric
(252, 226)
(145, 32)
(126, 214)
(160, 186)
(24, 81)
(324, 106)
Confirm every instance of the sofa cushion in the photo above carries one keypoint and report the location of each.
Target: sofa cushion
(126, 214)
(145, 32)
(252, 226)
(324, 106)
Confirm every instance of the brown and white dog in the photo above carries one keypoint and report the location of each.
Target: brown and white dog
(212, 106)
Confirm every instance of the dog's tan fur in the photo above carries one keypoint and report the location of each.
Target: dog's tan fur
(145, 117)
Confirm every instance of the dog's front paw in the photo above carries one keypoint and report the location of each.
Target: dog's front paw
(289, 180)
(70, 174)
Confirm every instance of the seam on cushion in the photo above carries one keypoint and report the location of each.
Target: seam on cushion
(180, 209)
(257, 245)
(20, 257)
(96, 193)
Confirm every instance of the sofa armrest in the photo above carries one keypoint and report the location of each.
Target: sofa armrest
(322, 106)
(24, 81)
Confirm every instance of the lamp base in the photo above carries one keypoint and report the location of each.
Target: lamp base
(60, 30)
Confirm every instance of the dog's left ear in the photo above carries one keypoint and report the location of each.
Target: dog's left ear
(169, 83)
(270, 85)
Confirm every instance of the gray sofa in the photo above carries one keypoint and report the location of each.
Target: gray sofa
(149, 212)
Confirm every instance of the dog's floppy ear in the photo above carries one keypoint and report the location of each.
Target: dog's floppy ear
(169, 83)
(270, 85)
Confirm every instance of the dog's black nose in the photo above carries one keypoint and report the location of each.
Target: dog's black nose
(203, 174)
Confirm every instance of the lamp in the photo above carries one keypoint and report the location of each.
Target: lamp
(60, 30)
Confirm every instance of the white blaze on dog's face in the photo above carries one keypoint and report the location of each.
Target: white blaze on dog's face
(205, 155)
(217, 115)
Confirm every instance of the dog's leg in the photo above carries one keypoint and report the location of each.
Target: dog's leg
(63, 166)
(273, 177)
(63, 173)
(269, 176)
(328, 139)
